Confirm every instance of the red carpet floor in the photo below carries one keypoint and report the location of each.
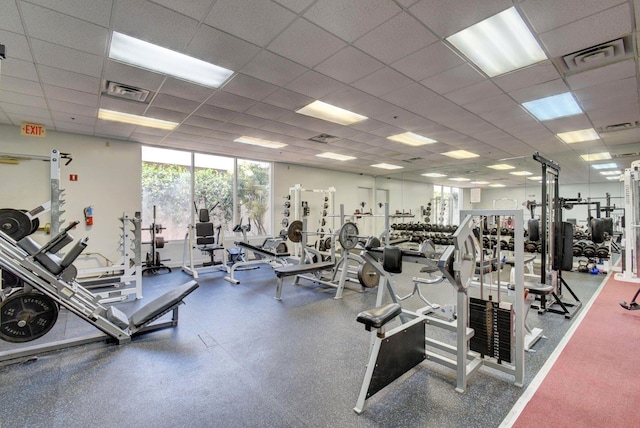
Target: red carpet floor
(596, 380)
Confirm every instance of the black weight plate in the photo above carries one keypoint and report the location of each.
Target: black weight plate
(295, 231)
(26, 316)
(15, 223)
(35, 224)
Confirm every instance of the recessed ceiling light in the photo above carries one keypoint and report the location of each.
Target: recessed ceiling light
(460, 179)
(536, 178)
(260, 142)
(595, 156)
(134, 119)
(616, 172)
(497, 185)
(617, 177)
(434, 174)
(521, 173)
(501, 166)
(579, 136)
(335, 156)
(324, 111)
(604, 166)
(143, 54)
(479, 182)
(553, 107)
(411, 139)
(386, 166)
(499, 44)
(460, 154)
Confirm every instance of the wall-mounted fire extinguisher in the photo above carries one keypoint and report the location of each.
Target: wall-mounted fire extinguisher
(88, 216)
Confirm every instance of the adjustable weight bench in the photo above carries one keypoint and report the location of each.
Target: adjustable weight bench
(270, 257)
(299, 269)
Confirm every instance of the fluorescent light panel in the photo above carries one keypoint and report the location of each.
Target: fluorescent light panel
(324, 111)
(479, 182)
(134, 119)
(605, 166)
(335, 156)
(460, 154)
(497, 185)
(499, 44)
(143, 54)
(579, 136)
(553, 107)
(501, 166)
(460, 179)
(617, 177)
(386, 166)
(521, 173)
(616, 172)
(260, 142)
(590, 157)
(434, 174)
(411, 139)
(536, 178)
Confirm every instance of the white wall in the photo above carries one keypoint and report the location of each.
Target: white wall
(108, 180)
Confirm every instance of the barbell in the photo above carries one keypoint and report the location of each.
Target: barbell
(347, 235)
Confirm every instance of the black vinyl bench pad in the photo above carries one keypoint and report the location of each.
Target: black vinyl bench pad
(290, 270)
(260, 250)
(161, 305)
(377, 317)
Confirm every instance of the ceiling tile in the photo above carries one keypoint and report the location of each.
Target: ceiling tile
(382, 82)
(132, 76)
(184, 89)
(225, 50)
(396, 38)
(70, 95)
(97, 11)
(195, 9)
(491, 103)
(32, 108)
(169, 102)
(273, 68)
(11, 20)
(444, 19)
(202, 122)
(348, 98)
(588, 32)
(60, 117)
(247, 120)
(542, 90)
(566, 124)
(314, 84)
(318, 43)
(20, 69)
(621, 137)
(114, 129)
(69, 79)
(615, 114)
(249, 87)
(409, 95)
(72, 109)
(478, 91)
(528, 76)
(618, 92)
(22, 86)
(154, 24)
(287, 99)
(213, 112)
(267, 111)
(18, 47)
(350, 19)
(45, 24)
(609, 73)
(229, 101)
(124, 106)
(455, 78)
(295, 5)
(256, 22)
(429, 61)
(74, 128)
(164, 114)
(66, 58)
(545, 16)
(349, 65)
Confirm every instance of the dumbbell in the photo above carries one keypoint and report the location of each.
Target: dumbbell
(602, 252)
(589, 250)
(530, 246)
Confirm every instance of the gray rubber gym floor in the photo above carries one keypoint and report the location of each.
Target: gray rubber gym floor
(239, 358)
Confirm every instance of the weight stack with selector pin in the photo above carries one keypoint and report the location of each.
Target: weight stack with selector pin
(492, 323)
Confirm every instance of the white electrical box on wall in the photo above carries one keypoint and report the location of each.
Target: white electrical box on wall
(475, 195)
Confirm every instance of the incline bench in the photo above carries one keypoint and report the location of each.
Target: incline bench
(270, 257)
(299, 269)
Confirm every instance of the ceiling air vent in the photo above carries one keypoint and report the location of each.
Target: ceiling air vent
(121, 90)
(599, 55)
(412, 160)
(324, 138)
(619, 127)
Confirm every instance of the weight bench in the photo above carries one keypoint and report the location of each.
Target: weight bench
(299, 269)
(270, 257)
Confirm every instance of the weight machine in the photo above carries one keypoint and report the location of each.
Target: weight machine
(202, 236)
(153, 263)
(26, 315)
(631, 240)
(488, 333)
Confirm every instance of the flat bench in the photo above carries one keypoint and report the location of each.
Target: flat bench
(260, 250)
(269, 257)
(299, 269)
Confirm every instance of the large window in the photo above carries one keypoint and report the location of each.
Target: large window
(446, 205)
(239, 191)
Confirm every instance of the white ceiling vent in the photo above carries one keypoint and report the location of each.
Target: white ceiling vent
(619, 127)
(599, 55)
(121, 90)
(324, 138)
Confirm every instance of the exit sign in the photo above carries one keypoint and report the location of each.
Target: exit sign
(33, 129)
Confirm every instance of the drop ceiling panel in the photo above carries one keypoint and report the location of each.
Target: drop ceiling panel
(216, 113)
(225, 50)
(318, 43)
(295, 5)
(202, 122)
(455, 78)
(31, 109)
(20, 69)
(349, 65)
(229, 101)
(382, 82)
(593, 30)
(74, 128)
(445, 20)
(491, 103)
(409, 95)
(615, 114)
(542, 90)
(267, 111)
(164, 114)
(528, 76)
(17, 118)
(348, 98)
(76, 97)
(11, 20)
(567, 124)
(545, 16)
(117, 104)
(621, 92)
(18, 45)
(256, 22)
(621, 137)
(248, 120)
(350, 20)
(22, 86)
(195, 9)
(45, 24)
(396, 38)
(96, 11)
(475, 92)
(133, 76)
(66, 58)
(184, 89)
(72, 109)
(75, 119)
(287, 99)
(169, 102)
(429, 61)
(606, 74)
(273, 68)
(69, 79)
(314, 85)
(249, 87)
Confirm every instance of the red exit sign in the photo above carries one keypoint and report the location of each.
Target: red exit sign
(33, 129)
